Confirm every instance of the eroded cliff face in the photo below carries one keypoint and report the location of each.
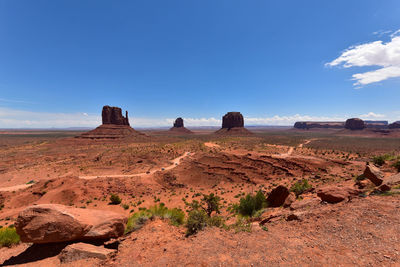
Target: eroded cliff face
(113, 115)
(232, 119)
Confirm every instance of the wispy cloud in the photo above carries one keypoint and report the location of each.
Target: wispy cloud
(384, 55)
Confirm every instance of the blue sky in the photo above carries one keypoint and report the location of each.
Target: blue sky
(274, 61)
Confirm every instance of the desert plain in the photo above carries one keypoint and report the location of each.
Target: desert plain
(360, 229)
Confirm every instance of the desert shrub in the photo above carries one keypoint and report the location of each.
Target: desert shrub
(241, 225)
(8, 237)
(125, 206)
(249, 204)
(211, 202)
(138, 219)
(300, 187)
(197, 221)
(216, 221)
(360, 177)
(381, 159)
(115, 199)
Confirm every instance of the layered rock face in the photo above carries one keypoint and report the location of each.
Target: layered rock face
(50, 223)
(233, 124)
(115, 126)
(232, 119)
(178, 123)
(113, 115)
(354, 124)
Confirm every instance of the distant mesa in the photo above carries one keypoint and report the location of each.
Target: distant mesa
(394, 125)
(354, 124)
(351, 124)
(319, 124)
(179, 128)
(233, 124)
(115, 126)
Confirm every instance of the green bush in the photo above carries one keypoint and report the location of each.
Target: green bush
(216, 221)
(300, 187)
(249, 204)
(138, 219)
(212, 203)
(8, 237)
(197, 221)
(115, 199)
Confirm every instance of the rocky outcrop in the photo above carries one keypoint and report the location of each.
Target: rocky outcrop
(305, 125)
(79, 251)
(178, 127)
(280, 196)
(51, 223)
(113, 115)
(394, 125)
(354, 124)
(115, 126)
(233, 124)
(335, 194)
(232, 119)
(178, 123)
(373, 174)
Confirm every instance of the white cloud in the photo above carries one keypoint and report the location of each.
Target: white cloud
(384, 55)
(372, 115)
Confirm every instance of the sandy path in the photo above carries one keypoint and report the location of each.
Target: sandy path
(15, 187)
(291, 149)
(175, 162)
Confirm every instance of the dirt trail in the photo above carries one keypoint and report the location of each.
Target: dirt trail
(175, 162)
(15, 187)
(291, 149)
(211, 145)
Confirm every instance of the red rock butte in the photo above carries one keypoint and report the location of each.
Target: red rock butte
(179, 128)
(233, 124)
(115, 126)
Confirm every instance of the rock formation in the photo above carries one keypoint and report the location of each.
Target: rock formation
(178, 123)
(113, 115)
(232, 119)
(233, 123)
(178, 127)
(319, 124)
(354, 124)
(335, 194)
(50, 223)
(115, 126)
(394, 125)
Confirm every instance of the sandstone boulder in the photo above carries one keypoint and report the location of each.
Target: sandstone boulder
(79, 251)
(232, 119)
(354, 124)
(280, 196)
(113, 115)
(373, 174)
(389, 182)
(335, 194)
(50, 223)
